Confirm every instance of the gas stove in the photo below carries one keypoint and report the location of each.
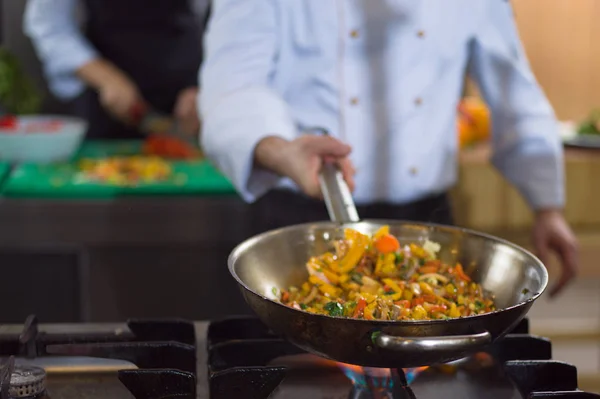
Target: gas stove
(239, 358)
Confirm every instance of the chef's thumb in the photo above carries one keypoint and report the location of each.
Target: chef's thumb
(329, 146)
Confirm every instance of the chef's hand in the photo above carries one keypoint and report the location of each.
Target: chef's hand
(186, 111)
(552, 233)
(117, 92)
(302, 158)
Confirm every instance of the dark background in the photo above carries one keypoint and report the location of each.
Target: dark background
(111, 260)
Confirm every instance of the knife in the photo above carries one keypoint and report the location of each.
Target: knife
(151, 121)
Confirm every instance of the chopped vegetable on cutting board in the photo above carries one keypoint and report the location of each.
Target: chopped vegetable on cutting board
(68, 180)
(124, 170)
(170, 147)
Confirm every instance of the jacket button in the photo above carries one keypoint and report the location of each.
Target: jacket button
(354, 34)
(421, 33)
(418, 101)
(414, 171)
(354, 101)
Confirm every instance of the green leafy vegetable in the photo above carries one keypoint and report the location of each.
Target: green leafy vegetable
(479, 305)
(591, 125)
(334, 309)
(18, 94)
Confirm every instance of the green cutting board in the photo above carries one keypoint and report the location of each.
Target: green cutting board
(4, 168)
(59, 180)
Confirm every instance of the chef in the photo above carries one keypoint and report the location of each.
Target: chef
(384, 77)
(131, 53)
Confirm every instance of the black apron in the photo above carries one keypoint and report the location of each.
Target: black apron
(158, 43)
(280, 208)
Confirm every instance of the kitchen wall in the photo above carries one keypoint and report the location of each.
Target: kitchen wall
(562, 40)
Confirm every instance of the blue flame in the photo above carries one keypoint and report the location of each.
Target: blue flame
(411, 375)
(378, 378)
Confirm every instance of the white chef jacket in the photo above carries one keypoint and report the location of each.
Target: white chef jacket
(384, 76)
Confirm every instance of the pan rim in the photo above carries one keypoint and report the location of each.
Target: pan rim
(250, 241)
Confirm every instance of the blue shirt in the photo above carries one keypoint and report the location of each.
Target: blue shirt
(54, 29)
(385, 77)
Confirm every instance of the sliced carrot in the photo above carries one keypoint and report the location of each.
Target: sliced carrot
(438, 309)
(285, 296)
(418, 301)
(428, 269)
(430, 298)
(404, 303)
(461, 273)
(387, 244)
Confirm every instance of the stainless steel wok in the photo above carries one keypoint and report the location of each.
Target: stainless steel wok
(276, 259)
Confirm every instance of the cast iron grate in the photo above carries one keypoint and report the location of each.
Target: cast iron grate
(163, 350)
(241, 348)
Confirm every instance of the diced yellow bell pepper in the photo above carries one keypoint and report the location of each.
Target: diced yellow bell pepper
(392, 284)
(344, 278)
(385, 265)
(419, 313)
(315, 280)
(453, 312)
(333, 277)
(395, 297)
(358, 246)
(383, 230)
(450, 289)
(328, 289)
(324, 287)
(408, 295)
(369, 298)
(305, 287)
(426, 288)
(417, 251)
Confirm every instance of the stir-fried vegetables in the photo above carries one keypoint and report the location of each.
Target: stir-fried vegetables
(378, 278)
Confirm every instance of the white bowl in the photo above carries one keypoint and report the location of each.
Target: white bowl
(28, 144)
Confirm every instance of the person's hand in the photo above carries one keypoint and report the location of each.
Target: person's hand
(118, 94)
(186, 111)
(552, 233)
(302, 158)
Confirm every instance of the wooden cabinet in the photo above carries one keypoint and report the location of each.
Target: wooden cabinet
(484, 201)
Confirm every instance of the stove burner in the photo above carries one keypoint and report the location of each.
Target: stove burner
(21, 381)
(27, 382)
(381, 384)
(163, 350)
(240, 350)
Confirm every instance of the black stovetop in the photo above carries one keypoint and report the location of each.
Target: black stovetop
(243, 360)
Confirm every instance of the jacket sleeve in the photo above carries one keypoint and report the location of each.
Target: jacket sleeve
(52, 26)
(526, 143)
(237, 103)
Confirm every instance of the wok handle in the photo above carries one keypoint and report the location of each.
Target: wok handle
(337, 195)
(338, 198)
(453, 343)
